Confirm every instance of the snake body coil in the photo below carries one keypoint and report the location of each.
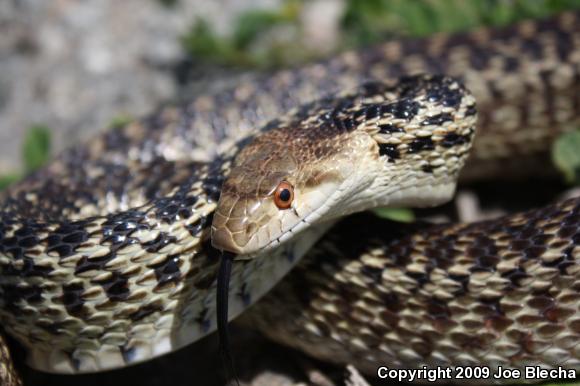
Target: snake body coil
(85, 292)
(105, 257)
(503, 292)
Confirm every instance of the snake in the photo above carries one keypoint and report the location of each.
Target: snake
(108, 254)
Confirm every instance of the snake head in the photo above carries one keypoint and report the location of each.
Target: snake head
(279, 184)
(385, 145)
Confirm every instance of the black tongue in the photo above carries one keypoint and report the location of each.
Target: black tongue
(223, 286)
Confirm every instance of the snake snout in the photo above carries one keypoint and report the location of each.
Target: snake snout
(222, 239)
(234, 226)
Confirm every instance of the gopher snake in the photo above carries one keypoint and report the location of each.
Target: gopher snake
(64, 284)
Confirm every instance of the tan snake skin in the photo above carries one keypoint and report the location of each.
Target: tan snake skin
(531, 58)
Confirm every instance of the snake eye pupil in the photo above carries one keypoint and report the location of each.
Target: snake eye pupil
(284, 195)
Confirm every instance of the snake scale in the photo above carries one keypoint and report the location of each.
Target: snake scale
(105, 254)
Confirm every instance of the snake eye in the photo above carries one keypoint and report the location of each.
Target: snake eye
(284, 195)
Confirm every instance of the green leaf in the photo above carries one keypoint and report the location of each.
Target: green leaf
(8, 179)
(201, 41)
(120, 121)
(252, 24)
(396, 214)
(36, 149)
(566, 156)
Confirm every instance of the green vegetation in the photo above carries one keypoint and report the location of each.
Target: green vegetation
(8, 179)
(371, 21)
(255, 23)
(566, 156)
(239, 49)
(35, 153)
(36, 148)
(363, 23)
(395, 214)
(120, 121)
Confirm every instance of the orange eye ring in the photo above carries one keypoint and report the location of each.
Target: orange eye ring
(284, 195)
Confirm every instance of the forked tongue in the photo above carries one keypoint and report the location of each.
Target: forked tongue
(223, 286)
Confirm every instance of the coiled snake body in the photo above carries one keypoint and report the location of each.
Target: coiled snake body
(105, 254)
